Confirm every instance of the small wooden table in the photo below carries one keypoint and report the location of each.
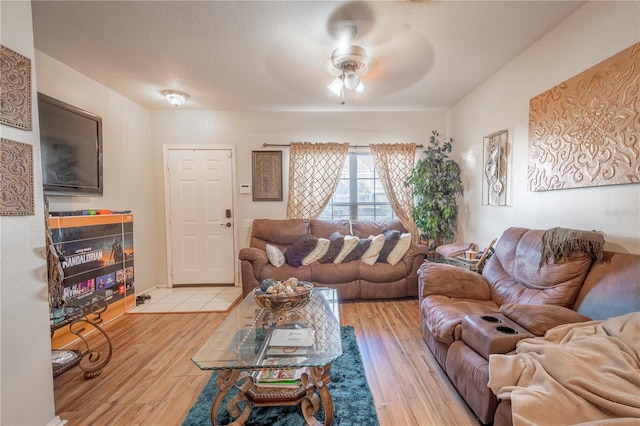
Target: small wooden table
(238, 347)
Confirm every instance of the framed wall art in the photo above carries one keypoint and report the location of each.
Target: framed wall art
(267, 175)
(15, 95)
(584, 131)
(495, 167)
(16, 185)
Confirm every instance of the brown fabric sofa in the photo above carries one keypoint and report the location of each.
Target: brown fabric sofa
(352, 280)
(460, 310)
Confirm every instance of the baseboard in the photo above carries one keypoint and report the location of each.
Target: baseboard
(56, 421)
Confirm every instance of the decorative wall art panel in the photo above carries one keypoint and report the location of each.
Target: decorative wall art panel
(496, 164)
(15, 95)
(267, 175)
(16, 178)
(586, 130)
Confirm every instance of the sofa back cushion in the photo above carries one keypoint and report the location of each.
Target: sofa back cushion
(281, 233)
(612, 287)
(365, 228)
(324, 228)
(515, 277)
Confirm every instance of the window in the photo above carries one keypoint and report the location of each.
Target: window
(359, 194)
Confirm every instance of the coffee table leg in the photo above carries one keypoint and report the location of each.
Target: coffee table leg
(320, 378)
(226, 380)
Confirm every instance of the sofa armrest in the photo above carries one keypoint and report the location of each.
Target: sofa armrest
(452, 281)
(417, 251)
(538, 319)
(258, 258)
(492, 334)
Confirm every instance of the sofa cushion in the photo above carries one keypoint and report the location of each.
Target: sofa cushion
(331, 273)
(364, 228)
(514, 277)
(349, 244)
(282, 233)
(443, 315)
(382, 272)
(336, 241)
(398, 252)
(276, 258)
(540, 318)
(318, 252)
(391, 237)
(324, 228)
(356, 253)
(300, 249)
(371, 255)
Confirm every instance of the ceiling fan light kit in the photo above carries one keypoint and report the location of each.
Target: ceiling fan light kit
(350, 60)
(175, 97)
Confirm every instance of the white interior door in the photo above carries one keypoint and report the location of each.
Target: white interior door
(200, 215)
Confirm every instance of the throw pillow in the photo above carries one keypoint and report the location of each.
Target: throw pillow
(540, 318)
(336, 241)
(361, 248)
(371, 255)
(350, 243)
(276, 258)
(317, 253)
(300, 249)
(391, 238)
(400, 249)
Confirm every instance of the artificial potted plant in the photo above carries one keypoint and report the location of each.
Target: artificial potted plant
(436, 184)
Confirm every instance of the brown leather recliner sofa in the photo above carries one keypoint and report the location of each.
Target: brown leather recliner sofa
(466, 316)
(352, 280)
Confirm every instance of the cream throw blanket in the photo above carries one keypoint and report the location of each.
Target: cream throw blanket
(577, 373)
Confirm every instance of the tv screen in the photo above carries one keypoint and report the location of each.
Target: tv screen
(71, 148)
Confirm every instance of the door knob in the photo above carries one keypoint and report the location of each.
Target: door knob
(226, 225)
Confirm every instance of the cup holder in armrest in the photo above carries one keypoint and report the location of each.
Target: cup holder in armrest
(491, 333)
(506, 330)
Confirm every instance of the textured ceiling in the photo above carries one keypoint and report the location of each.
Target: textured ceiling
(263, 55)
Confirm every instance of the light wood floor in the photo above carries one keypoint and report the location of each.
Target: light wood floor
(152, 381)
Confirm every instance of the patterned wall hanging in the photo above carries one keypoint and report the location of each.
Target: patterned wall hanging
(267, 175)
(586, 130)
(495, 163)
(15, 95)
(16, 178)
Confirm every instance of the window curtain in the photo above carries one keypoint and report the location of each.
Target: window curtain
(394, 164)
(314, 172)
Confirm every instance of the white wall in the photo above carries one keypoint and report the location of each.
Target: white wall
(26, 383)
(249, 130)
(595, 32)
(127, 157)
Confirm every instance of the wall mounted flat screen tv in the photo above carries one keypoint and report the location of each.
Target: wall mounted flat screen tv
(71, 148)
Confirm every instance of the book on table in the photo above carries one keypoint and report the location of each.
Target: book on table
(292, 337)
(280, 377)
(287, 350)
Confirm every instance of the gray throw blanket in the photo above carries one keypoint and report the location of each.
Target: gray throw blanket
(558, 243)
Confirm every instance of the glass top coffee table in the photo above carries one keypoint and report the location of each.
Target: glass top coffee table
(242, 345)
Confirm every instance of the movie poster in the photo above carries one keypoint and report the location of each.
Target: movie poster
(96, 258)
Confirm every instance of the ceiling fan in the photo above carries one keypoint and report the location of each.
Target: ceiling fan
(350, 60)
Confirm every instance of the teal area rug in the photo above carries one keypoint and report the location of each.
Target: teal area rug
(352, 399)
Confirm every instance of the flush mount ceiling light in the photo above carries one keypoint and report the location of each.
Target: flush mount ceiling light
(175, 97)
(349, 60)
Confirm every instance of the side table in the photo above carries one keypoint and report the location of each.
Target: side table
(83, 320)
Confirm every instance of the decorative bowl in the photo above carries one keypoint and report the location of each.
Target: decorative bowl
(283, 302)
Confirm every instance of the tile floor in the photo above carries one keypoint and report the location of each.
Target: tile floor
(189, 299)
